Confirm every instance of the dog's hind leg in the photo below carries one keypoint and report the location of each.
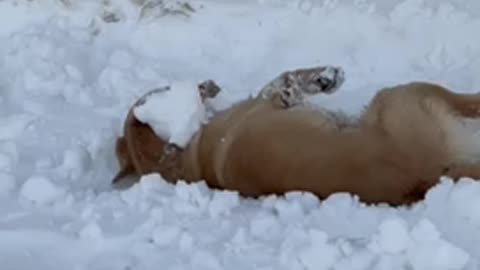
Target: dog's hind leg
(466, 105)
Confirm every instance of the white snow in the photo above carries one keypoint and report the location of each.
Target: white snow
(68, 78)
(40, 190)
(7, 183)
(174, 114)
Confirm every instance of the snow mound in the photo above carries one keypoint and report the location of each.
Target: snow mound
(175, 114)
(41, 190)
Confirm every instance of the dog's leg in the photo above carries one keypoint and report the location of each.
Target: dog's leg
(467, 105)
(291, 88)
(208, 89)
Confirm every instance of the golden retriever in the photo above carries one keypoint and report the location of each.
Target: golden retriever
(404, 141)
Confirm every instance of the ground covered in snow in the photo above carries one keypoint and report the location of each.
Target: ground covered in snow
(69, 71)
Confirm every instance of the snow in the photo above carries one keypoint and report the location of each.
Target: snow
(174, 114)
(68, 78)
(40, 190)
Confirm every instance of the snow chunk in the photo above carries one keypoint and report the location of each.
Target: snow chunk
(264, 226)
(40, 190)
(464, 199)
(223, 202)
(289, 210)
(320, 255)
(75, 162)
(393, 236)
(429, 251)
(191, 198)
(175, 114)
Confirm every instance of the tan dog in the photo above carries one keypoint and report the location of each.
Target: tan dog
(407, 138)
(139, 151)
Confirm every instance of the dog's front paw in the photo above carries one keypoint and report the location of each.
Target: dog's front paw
(208, 89)
(327, 79)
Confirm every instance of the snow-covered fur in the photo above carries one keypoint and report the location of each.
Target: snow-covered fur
(406, 139)
(292, 87)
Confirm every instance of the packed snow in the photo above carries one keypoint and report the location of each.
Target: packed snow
(174, 112)
(71, 69)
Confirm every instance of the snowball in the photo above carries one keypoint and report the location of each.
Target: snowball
(307, 200)
(223, 202)
(263, 225)
(439, 255)
(320, 255)
(174, 115)
(75, 162)
(191, 198)
(429, 251)
(425, 231)
(40, 190)
(464, 199)
(393, 236)
(438, 194)
(289, 211)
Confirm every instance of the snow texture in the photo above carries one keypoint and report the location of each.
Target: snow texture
(174, 114)
(71, 69)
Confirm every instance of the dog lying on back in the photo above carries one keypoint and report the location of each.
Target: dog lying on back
(406, 139)
(140, 151)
